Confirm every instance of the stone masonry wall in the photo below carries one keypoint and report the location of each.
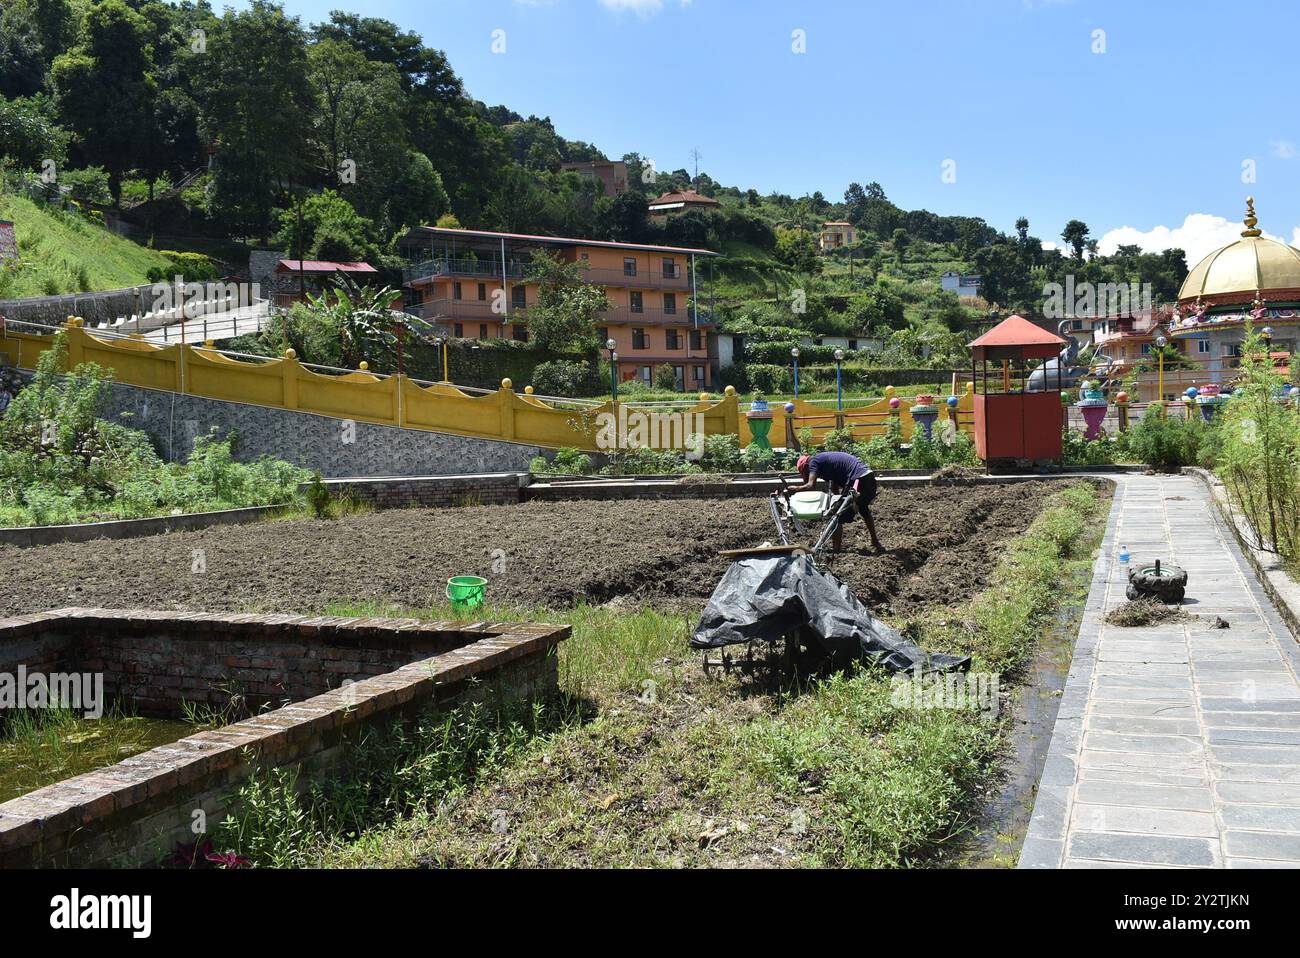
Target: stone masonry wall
(307, 439)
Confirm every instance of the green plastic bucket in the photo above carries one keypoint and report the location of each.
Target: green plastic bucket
(466, 591)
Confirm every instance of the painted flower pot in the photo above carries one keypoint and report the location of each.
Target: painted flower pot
(924, 413)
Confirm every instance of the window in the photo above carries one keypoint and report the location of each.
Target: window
(1146, 349)
(602, 334)
(482, 330)
(679, 373)
(1232, 349)
(460, 331)
(518, 333)
(673, 339)
(670, 303)
(629, 266)
(645, 373)
(1202, 345)
(519, 296)
(640, 340)
(455, 290)
(482, 291)
(670, 268)
(699, 373)
(697, 339)
(416, 297)
(1077, 324)
(635, 298)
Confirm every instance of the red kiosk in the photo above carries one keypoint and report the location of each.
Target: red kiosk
(1011, 422)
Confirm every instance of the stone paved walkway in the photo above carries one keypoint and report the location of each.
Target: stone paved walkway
(1176, 745)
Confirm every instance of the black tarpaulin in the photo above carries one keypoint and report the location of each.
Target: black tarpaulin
(767, 597)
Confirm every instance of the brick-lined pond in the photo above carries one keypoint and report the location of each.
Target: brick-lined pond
(312, 685)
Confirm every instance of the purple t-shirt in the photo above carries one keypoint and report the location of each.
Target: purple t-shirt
(840, 468)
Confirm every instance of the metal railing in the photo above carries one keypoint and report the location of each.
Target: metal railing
(442, 266)
(678, 278)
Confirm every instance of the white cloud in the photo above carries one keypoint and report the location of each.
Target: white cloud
(1199, 235)
(642, 8)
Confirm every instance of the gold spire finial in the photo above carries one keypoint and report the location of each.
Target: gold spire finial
(1250, 219)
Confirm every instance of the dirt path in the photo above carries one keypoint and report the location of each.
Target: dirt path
(940, 545)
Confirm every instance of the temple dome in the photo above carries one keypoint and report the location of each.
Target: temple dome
(1252, 264)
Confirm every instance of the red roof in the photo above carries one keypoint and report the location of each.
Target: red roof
(685, 196)
(1018, 331)
(323, 266)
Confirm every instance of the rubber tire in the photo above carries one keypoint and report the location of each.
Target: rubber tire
(1169, 586)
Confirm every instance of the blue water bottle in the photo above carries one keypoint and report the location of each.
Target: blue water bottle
(1123, 554)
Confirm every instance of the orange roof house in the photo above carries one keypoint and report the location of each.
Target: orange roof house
(679, 201)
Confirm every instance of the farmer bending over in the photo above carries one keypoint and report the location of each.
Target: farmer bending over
(842, 471)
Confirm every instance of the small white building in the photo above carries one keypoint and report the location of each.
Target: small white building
(965, 285)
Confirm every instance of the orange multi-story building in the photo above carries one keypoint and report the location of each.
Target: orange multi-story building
(475, 284)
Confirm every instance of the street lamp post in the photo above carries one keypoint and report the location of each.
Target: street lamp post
(438, 348)
(613, 369)
(794, 354)
(1161, 342)
(839, 380)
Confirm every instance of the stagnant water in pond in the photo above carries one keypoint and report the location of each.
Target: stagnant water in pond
(995, 837)
(41, 747)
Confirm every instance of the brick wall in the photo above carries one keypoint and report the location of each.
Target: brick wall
(493, 489)
(133, 812)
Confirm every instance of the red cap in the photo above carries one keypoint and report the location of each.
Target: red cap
(802, 466)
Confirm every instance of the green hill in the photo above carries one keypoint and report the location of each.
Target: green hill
(62, 252)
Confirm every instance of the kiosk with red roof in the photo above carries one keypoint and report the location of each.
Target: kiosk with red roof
(1010, 421)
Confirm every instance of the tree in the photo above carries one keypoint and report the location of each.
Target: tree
(105, 91)
(28, 133)
(257, 104)
(1076, 234)
(329, 219)
(900, 239)
(798, 250)
(22, 57)
(628, 218)
(568, 308)
(358, 131)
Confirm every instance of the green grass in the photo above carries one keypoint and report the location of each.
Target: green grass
(644, 761)
(62, 252)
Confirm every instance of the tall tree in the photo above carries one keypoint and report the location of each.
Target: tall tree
(257, 106)
(1076, 234)
(105, 91)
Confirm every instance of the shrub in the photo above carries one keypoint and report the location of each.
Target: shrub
(665, 377)
(1164, 442)
(193, 267)
(563, 377)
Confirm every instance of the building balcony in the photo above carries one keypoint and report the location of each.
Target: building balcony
(476, 310)
(486, 270)
(475, 268)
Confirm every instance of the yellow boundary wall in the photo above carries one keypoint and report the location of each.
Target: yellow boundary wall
(397, 401)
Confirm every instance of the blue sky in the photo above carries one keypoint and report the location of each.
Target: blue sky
(1150, 130)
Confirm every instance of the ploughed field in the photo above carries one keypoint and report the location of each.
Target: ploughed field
(940, 545)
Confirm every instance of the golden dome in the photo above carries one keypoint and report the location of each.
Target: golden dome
(1252, 263)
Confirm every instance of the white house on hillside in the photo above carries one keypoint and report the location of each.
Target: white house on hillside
(964, 285)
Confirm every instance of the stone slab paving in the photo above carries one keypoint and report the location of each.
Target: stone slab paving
(1176, 745)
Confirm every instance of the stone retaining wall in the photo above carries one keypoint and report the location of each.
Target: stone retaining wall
(135, 812)
(334, 447)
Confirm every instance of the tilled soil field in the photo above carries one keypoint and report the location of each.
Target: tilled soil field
(940, 543)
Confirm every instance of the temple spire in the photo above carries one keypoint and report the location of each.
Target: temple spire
(1250, 219)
